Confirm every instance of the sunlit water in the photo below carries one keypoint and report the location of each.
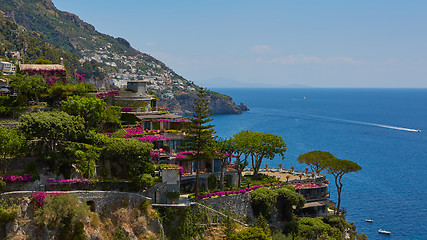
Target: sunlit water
(377, 128)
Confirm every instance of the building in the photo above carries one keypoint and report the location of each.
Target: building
(7, 68)
(53, 73)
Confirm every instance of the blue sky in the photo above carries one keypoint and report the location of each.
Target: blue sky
(245, 43)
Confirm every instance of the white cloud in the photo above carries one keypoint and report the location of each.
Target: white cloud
(261, 49)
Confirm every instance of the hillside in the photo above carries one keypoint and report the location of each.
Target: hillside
(105, 59)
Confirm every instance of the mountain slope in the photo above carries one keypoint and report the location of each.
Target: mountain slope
(115, 57)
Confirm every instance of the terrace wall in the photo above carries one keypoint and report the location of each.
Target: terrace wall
(239, 204)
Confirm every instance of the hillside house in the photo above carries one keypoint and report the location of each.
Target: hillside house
(7, 68)
(53, 73)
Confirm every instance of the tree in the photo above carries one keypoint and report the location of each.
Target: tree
(11, 144)
(223, 150)
(131, 155)
(30, 86)
(339, 167)
(314, 159)
(51, 127)
(265, 146)
(200, 136)
(90, 108)
(238, 145)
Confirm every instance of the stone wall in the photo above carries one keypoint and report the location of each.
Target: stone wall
(239, 204)
(99, 201)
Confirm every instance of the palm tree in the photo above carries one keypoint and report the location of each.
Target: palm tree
(293, 168)
(287, 178)
(300, 176)
(280, 166)
(306, 170)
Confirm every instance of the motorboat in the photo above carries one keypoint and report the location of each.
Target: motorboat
(369, 220)
(418, 130)
(384, 232)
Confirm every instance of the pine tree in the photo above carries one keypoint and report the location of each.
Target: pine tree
(200, 136)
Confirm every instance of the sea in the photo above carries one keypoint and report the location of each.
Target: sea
(376, 128)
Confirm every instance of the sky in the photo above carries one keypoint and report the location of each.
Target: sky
(274, 43)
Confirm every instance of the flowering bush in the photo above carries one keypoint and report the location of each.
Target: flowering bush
(80, 77)
(241, 191)
(107, 94)
(245, 190)
(155, 154)
(152, 138)
(127, 109)
(11, 179)
(73, 180)
(183, 155)
(302, 186)
(40, 197)
(163, 120)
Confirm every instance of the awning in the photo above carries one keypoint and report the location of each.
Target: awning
(157, 116)
(318, 203)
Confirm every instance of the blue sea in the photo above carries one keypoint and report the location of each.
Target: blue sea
(375, 128)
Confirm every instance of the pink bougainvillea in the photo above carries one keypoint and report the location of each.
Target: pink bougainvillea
(11, 179)
(73, 180)
(127, 109)
(107, 94)
(150, 138)
(80, 77)
(40, 197)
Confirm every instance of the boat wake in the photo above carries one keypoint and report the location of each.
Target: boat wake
(367, 123)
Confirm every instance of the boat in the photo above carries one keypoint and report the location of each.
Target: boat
(418, 130)
(369, 220)
(384, 232)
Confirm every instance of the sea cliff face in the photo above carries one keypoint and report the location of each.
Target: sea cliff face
(219, 104)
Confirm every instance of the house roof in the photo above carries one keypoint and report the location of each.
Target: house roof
(41, 67)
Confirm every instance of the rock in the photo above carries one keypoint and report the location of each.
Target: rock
(243, 107)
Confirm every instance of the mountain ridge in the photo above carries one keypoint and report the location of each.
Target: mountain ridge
(114, 59)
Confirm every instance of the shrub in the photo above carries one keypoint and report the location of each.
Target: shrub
(263, 200)
(2, 183)
(31, 169)
(251, 233)
(7, 213)
(212, 182)
(229, 227)
(119, 234)
(143, 181)
(64, 213)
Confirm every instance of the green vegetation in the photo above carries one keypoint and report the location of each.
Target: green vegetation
(11, 145)
(65, 213)
(250, 234)
(8, 212)
(258, 146)
(264, 201)
(200, 139)
(185, 223)
(51, 127)
(315, 159)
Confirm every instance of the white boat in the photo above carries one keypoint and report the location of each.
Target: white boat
(418, 130)
(369, 220)
(384, 232)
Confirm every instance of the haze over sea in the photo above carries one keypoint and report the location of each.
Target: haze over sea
(374, 127)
